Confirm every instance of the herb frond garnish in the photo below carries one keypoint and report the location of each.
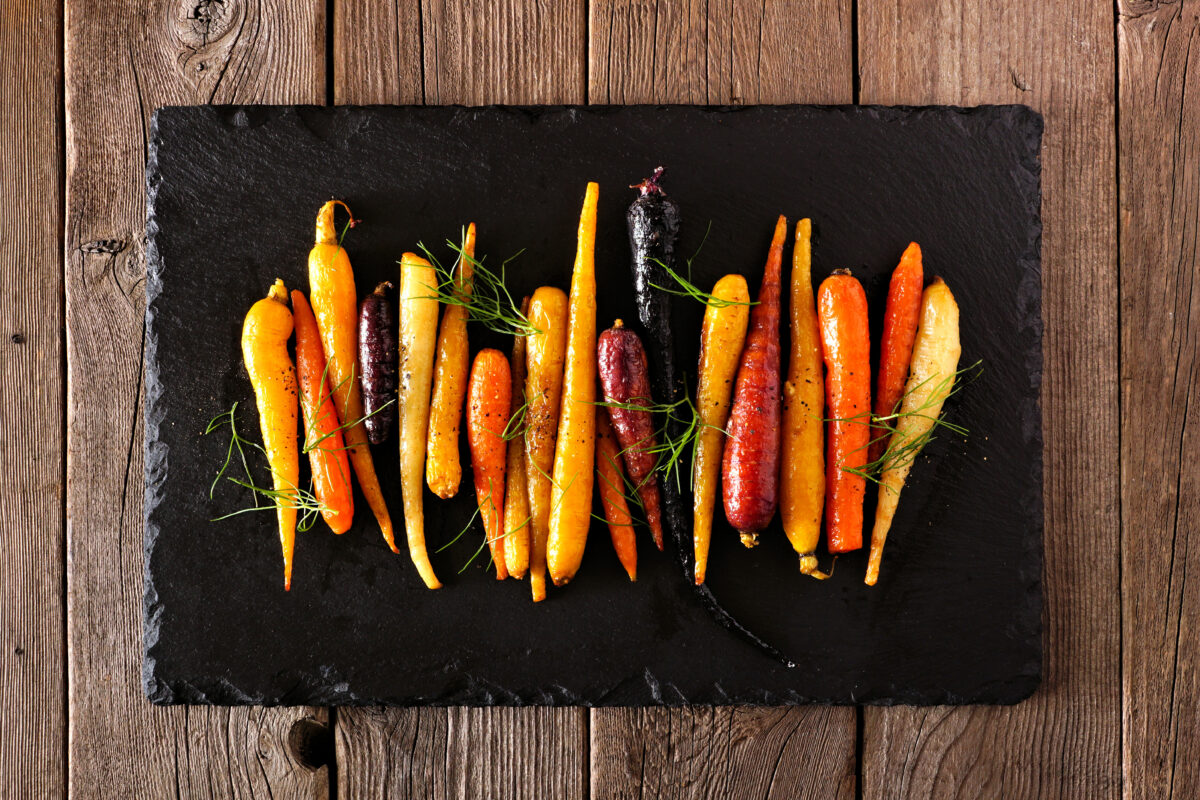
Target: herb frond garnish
(903, 453)
(686, 288)
(488, 302)
(516, 422)
(310, 443)
(303, 500)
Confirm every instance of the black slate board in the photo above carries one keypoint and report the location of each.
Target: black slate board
(232, 197)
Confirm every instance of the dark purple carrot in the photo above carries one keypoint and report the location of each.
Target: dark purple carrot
(377, 357)
(626, 383)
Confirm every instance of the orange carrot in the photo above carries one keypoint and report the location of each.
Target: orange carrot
(327, 454)
(610, 481)
(516, 493)
(895, 347)
(842, 309)
(489, 402)
(750, 468)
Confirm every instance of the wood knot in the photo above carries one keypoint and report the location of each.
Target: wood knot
(311, 743)
(17, 338)
(107, 247)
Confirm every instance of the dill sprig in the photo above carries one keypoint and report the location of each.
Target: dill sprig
(310, 443)
(685, 286)
(489, 302)
(303, 500)
(902, 453)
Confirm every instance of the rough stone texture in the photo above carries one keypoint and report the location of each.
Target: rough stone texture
(232, 193)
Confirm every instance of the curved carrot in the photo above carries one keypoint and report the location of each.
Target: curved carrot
(842, 308)
(935, 353)
(489, 403)
(721, 340)
(443, 471)
(802, 479)
(335, 304)
(545, 350)
(418, 337)
(516, 493)
(265, 333)
(322, 433)
(750, 469)
(895, 346)
(611, 485)
(575, 449)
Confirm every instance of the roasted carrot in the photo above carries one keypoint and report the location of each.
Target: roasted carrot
(750, 469)
(545, 350)
(802, 479)
(935, 353)
(895, 346)
(516, 492)
(489, 403)
(611, 486)
(721, 340)
(842, 310)
(418, 338)
(621, 359)
(335, 305)
(323, 435)
(265, 334)
(443, 471)
(378, 359)
(575, 449)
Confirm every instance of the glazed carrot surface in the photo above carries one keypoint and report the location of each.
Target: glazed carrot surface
(516, 492)
(545, 349)
(334, 301)
(443, 470)
(611, 486)
(575, 449)
(722, 337)
(750, 469)
(265, 333)
(842, 310)
(327, 455)
(802, 477)
(900, 318)
(489, 403)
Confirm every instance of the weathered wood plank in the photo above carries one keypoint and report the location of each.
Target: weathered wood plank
(32, 635)
(722, 52)
(1057, 57)
(1159, 58)
(119, 65)
(501, 51)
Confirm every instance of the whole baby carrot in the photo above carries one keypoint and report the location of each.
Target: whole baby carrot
(489, 403)
(895, 346)
(842, 310)
(323, 434)
(611, 486)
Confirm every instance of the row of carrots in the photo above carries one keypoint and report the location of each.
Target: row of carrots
(798, 445)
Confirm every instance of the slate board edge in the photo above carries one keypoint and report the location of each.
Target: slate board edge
(322, 688)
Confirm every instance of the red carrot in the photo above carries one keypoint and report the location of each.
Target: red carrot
(842, 308)
(750, 470)
(489, 403)
(626, 384)
(895, 347)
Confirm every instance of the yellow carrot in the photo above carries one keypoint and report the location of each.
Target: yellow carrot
(418, 338)
(935, 353)
(721, 339)
(545, 350)
(516, 495)
(443, 470)
(265, 333)
(575, 449)
(334, 300)
(802, 479)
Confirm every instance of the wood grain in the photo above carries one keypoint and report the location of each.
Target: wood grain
(722, 52)
(500, 51)
(32, 634)
(1159, 58)
(119, 65)
(1058, 58)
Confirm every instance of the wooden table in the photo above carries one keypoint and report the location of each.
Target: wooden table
(1120, 91)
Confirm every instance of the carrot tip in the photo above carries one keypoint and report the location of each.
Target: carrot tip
(749, 539)
(808, 566)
